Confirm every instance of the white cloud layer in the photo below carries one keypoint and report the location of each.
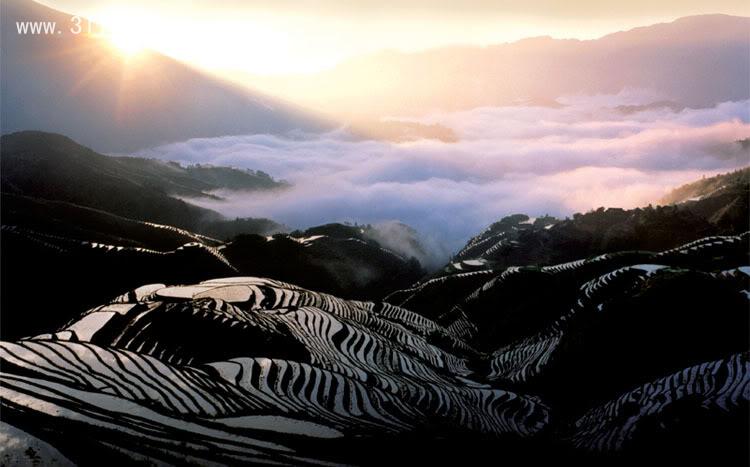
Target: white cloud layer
(535, 160)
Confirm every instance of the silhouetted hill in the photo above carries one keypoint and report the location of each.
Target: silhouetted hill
(518, 241)
(231, 178)
(228, 229)
(347, 266)
(708, 187)
(68, 220)
(78, 245)
(195, 181)
(54, 167)
(80, 213)
(115, 103)
(394, 236)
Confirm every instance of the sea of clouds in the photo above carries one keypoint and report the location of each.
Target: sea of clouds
(587, 153)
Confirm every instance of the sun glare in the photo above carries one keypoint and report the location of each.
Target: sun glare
(124, 30)
(127, 43)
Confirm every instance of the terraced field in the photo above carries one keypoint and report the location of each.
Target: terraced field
(617, 358)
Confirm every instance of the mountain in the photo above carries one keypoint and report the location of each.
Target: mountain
(395, 236)
(611, 360)
(611, 337)
(54, 167)
(121, 104)
(36, 173)
(668, 59)
(77, 244)
(228, 229)
(519, 241)
(335, 258)
(67, 207)
(350, 266)
(708, 187)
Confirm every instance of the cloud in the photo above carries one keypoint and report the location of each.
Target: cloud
(534, 160)
(409, 243)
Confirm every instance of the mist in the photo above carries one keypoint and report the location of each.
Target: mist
(588, 152)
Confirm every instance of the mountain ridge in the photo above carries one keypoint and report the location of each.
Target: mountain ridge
(649, 57)
(52, 166)
(707, 187)
(519, 242)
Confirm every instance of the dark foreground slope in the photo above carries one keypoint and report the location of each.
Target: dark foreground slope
(621, 358)
(74, 218)
(90, 255)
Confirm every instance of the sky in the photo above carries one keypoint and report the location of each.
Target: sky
(269, 37)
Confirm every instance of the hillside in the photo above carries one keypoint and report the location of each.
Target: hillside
(194, 181)
(613, 337)
(707, 187)
(615, 360)
(114, 103)
(519, 241)
(76, 244)
(131, 251)
(64, 204)
(54, 167)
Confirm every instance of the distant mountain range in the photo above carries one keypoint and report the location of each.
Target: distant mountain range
(100, 99)
(671, 60)
(84, 88)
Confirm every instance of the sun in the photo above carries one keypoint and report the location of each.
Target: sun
(129, 43)
(125, 30)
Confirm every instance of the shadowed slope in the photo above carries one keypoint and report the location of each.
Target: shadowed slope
(626, 364)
